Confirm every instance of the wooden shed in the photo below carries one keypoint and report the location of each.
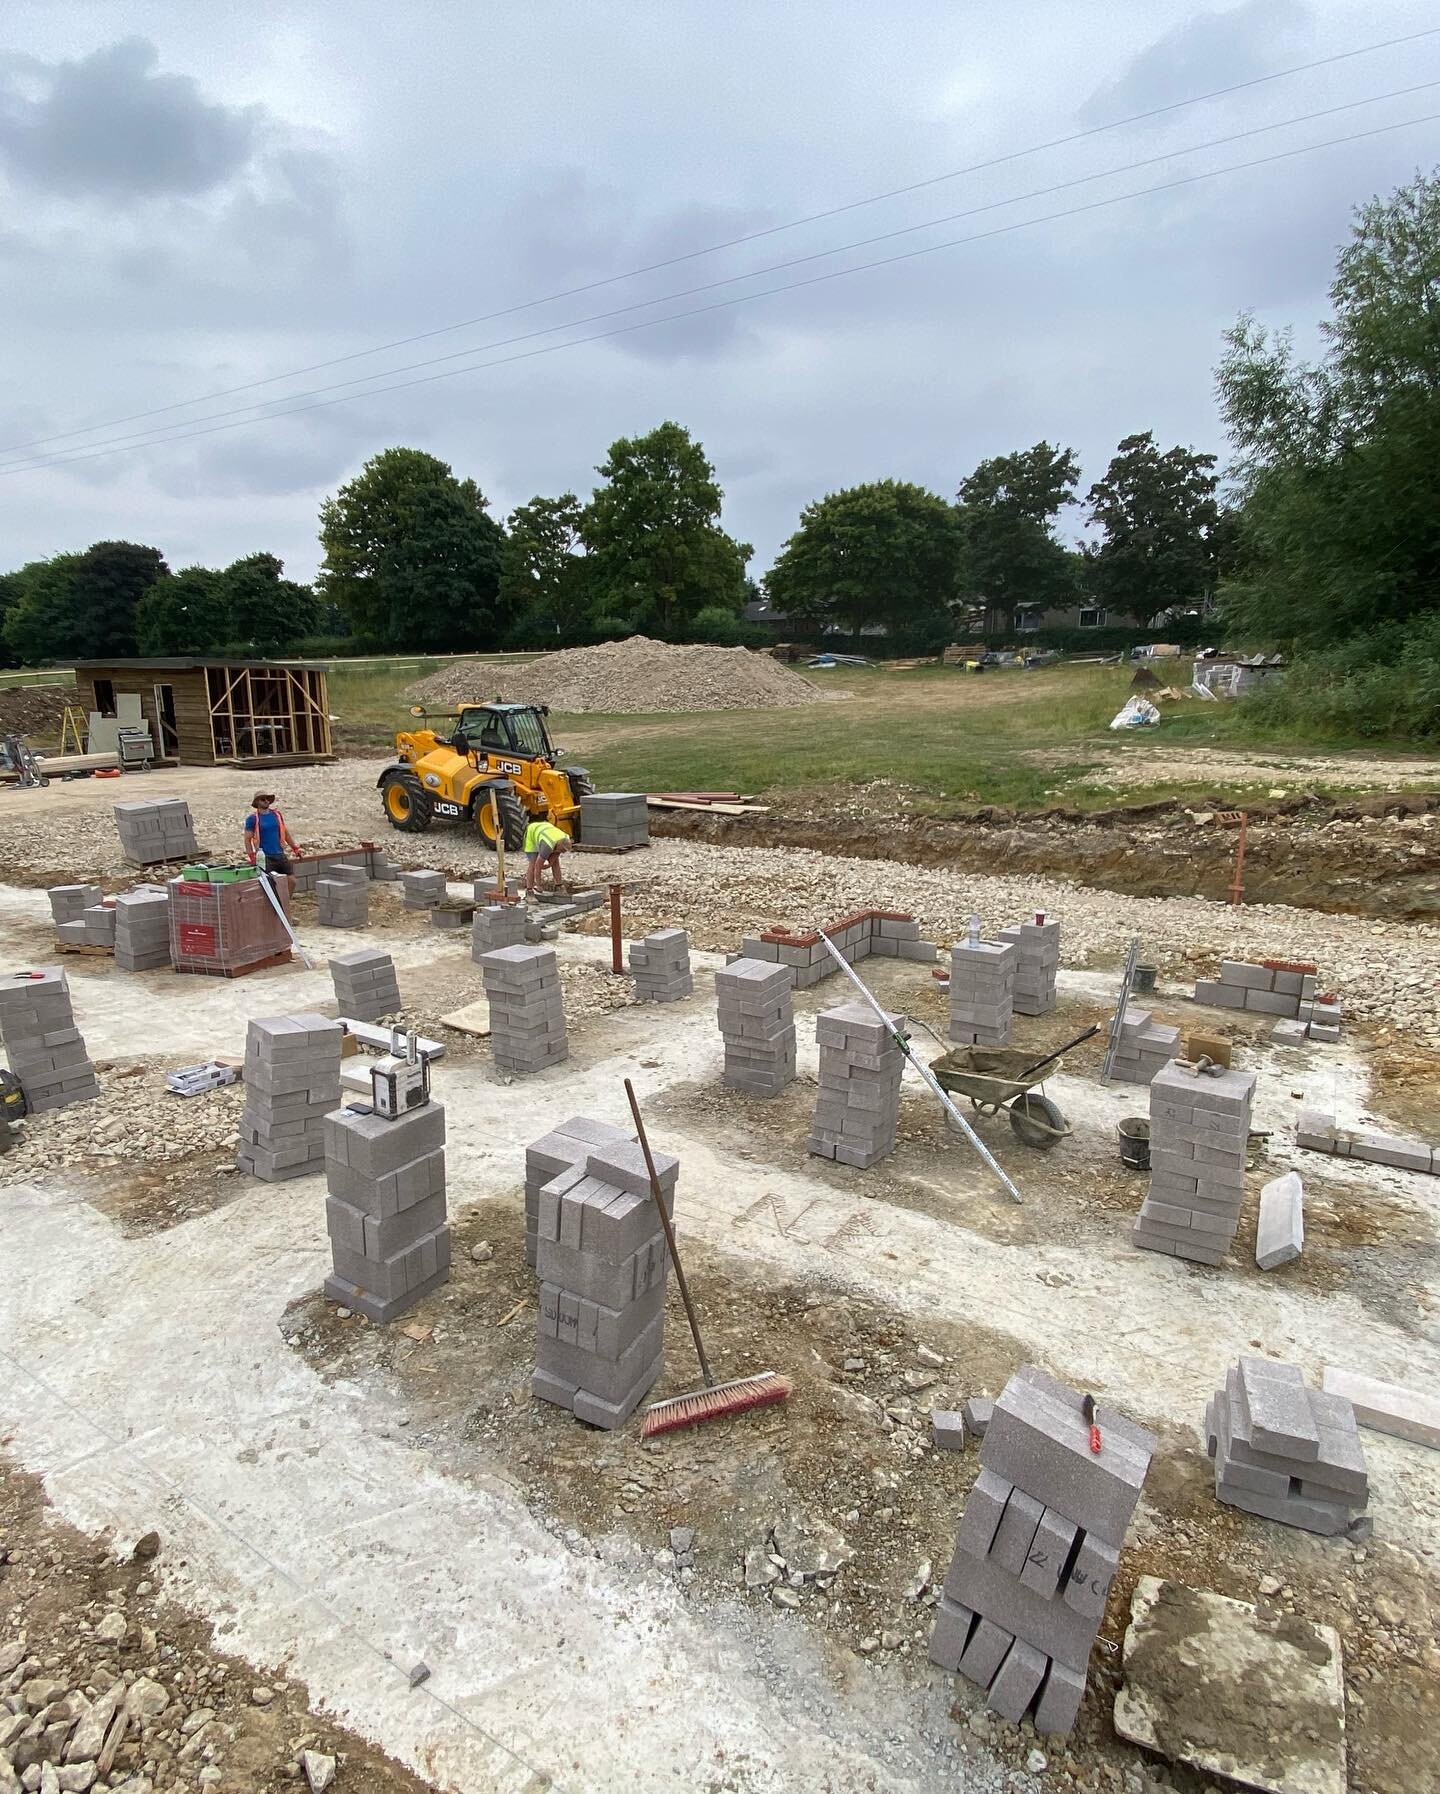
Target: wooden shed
(217, 712)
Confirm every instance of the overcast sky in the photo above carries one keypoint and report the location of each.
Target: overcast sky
(195, 198)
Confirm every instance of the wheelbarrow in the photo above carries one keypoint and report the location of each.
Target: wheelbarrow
(996, 1078)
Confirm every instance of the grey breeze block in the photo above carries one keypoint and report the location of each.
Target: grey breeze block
(385, 1211)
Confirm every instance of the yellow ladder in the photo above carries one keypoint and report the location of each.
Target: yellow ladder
(72, 724)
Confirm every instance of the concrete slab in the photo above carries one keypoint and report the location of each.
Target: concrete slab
(1216, 1684)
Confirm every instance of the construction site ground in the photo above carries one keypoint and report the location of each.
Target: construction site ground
(338, 1502)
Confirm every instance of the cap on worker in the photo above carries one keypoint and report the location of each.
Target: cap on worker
(262, 797)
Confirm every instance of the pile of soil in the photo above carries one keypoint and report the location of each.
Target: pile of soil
(634, 676)
(35, 711)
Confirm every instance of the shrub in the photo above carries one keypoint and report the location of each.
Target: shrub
(1380, 686)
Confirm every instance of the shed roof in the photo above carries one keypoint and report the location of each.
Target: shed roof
(183, 663)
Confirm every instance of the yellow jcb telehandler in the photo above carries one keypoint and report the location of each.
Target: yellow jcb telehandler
(492, 760)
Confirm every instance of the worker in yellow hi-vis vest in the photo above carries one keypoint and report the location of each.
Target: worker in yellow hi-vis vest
(544, 843)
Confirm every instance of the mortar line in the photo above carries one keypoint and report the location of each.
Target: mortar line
(299, 1588)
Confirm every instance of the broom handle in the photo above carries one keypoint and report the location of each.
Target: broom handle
(669, 1237)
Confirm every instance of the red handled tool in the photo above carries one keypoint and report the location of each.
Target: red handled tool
(1088, 1409)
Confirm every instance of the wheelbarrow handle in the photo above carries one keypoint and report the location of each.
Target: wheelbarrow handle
(1079, 1040)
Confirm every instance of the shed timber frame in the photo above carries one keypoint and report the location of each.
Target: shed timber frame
(220, 712)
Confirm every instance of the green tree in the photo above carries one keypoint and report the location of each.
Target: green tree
(412, 555)
(1157, 514)
(543, 579)
(657, 553)
(267, 614)
(107, 584)
(885, 553)
(1008, 507)
(1338, 460)
(40, 622)
(185, 614)
(12, 590)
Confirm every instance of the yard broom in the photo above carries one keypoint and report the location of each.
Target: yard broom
(715, 1399)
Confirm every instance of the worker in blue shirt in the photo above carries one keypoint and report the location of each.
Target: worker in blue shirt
(265, 832)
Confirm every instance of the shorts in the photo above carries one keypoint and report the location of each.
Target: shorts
(277, 862)
(542, 854)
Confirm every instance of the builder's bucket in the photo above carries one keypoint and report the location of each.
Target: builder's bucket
(1144, 980)
(1134, 1132)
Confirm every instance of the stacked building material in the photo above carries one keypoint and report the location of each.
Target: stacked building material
(44, 1047)
(1316, 1132)
(307, 869)
(452, 914)
(1037, 960)
(385, 1210)
(1285, 988)
(1199, 1125)
(228, 927)
(365, 985)
(292, 1082)
(1286, 1452)
(342, 903)
(1145, 1046)
(982, 991)
(602, 1264)
(890, 933)
(757, 1024)
(559, 1150)
(859, 1102)
(156, 829)
(527, 1011)
(497, 925)
(68, 903)
(142, 931)
(93, 927)
(484, 889)
(616, 820)
(1037, 1549)
(660, 966)
(423, 890)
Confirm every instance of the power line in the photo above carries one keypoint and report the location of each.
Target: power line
(1073, 137)
(746, 298)
(157, 434)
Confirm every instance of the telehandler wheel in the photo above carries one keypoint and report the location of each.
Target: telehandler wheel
(407, 804)
(514, 820)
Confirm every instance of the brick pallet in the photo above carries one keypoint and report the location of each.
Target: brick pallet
(1037, 962)
(225, 930)
(527, 1011)
(1286, 1452)
(888, 933)
(68, 903)
(560, 1150)
(366, 987)
(858, 1106)
(92, 927)
(660, 966)
(602, 1264)
(1273, 987)
(44, 1047)
(1145, 1046)
(614, 821)
(292, 1082)
(982, 991)
(385, 1208)
(757, 1024)
(155, 830)
(1199, 1126)
(1037, 1549)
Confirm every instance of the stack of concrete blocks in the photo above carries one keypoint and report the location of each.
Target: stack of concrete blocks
(1286, 1452)
(757, 1024)
(982, 991)
(373, 861)
(82, 917)
(1288, 991)
(527, 1010)
(342, 897)
(614, 820)
(68, 903)
(365, 985)
(1037, 1549)
(497, 925)
(42, 1043)
(660, 966)
(1316, 1132)
(1145, 1046)
(889, 933)
(1199, 1125)
(292, 1082)
(858, 1106)
(602, 1264)
(483, 887)
(385, 1211)
(142, 931)
(561, 1150)
(1037, 961)
(156, 829)
(423, 890)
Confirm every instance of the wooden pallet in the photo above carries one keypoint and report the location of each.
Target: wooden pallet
(268, 964)
(91, 950)
(585, 847)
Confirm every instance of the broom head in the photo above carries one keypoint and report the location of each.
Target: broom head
(759, 1391)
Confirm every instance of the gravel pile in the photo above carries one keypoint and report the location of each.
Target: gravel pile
(134, 1120)
(634, 676)
(35, 711)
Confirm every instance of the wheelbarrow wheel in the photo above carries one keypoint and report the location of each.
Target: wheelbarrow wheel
(1036, 1121)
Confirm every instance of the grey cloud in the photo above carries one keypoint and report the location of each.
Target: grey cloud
(112, 125)
(1208, 50)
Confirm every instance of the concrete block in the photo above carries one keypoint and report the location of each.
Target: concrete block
(1219, 996)
(950, 1634)
(1387, 1407)
(1253, 977)
(984, 1510)
(1049, 1553)
(985, 1651)
(1060, 1696)
(1016, 1532)
(977, 1411)
(1017, 1681)
(1280, 1231)
(947, 1429)
(1051, 1627)
(1087, 1583)
(1270, 1412)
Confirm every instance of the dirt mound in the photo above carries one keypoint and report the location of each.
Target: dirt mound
(35, 711)
(632, 676)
